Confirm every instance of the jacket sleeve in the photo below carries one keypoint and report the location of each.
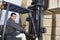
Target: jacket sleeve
(14, 25)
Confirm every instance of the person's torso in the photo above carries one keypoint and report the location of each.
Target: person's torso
(10, 29)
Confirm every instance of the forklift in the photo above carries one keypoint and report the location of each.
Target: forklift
(36, 15)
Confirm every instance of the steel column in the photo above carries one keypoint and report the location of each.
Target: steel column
(5, 21)
(40, 22)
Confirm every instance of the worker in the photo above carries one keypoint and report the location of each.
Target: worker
(16, 29)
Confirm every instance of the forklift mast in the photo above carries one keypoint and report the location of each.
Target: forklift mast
(38, 7)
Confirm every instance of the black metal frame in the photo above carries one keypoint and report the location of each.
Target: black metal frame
(11, 7)
(15, 8)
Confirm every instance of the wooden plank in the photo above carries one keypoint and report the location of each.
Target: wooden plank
(53, 26)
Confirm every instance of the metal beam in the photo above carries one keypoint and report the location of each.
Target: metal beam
(5, 21)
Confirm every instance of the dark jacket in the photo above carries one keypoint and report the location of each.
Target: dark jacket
(12, 26)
